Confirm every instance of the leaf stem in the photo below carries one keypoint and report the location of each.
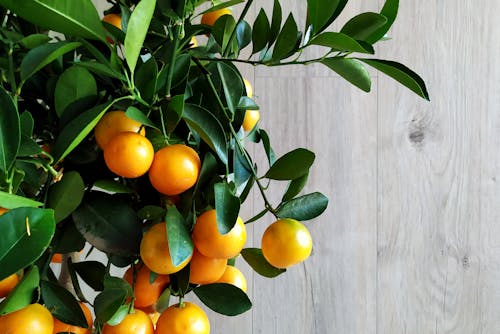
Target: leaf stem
(170, 74)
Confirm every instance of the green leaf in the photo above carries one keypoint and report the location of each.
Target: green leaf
(261, 32)
(113, 186)
(101, 69)
(400, 73)
(241, 169)
(247, 103)
(137, 115)
(267, 147)
(275, 22)
(208, 128)
(23, 293)
(232, 85)
(304, 208)
(66, 195)
(180, 244)
(295, 187)
(27, 123)
(119, 315)
(207, 171)
(287, 39)
(137, 29)
(223, 298)
(174, 112)
(321, 14)
(152, 212)
(222, 5)
(67, 238)
(62, 304)
(75, 18)
(92, 273)
(75, 83)
(28, 147)
(11, 201)
(351, 70)
(364, 25)
(34, 40)
(341, 42)
(145, 78)
(76, 131)
(254, 257)
(10, 131)
(109, 224)
(227, 207)
(163, 301)
(390, 12)
(292, 165)
(43, 55)
(181, 69)
(20, 246)
(108, 302)
(222, 31)
(243, 34)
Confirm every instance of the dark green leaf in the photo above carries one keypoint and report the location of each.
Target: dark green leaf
(232, 85)
(119, 315)
(243, 34)
(389, 11)
(23, 293)
(181, 69)
(180, 244)
(275, 22)
(341, 42)
(109, 224)
(292, 165)
(304, 208)
(10, 131)
(34, 40)
(320, 14)
(113, 186)
(254, 257)
(74, 84)
(227, 207)
(364, 25)
(28, 147)
(351, 70)
(136, 114)
(146, 78)
(68, 238)
(151, 212)
(207, 171)
(92, 273)
(175, 109)
(260, 32)
(163, 301)
(27, 123)
(208, 128)
(295, 187)
(11, 201)
(74, 281)
(137, 29)
(222, 31)
(267, 147)
(101, 69)
(62, 304)
(108, 302)
(286, 42)
(66, 195)
(241, 169)
(223, 298)
(400, 73)
(26, 233)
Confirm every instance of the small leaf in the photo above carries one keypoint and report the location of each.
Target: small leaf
(364, 25)
(180, 244)
(254, 257)
(243, 34)
(207, 171)
(68, 238)
(275, 22)
(10, 131)
(28, 147)
(321, 14)
(23, 293)
(137, 115)
(163, 301)
(287, 39)
(292, 165)
(11, 201)
(304, 208)
(247, 103)
(101, 69)
(341, 42)
(75, 83)
(66, 195)
(27, 123)
(108, 302)
(267, 147)
(227, 207)
(351, 70)
(295, 187)
(241, 169)
(390, 12)
(222, 31)
(146, 78)
(62, 304)
(119, 315)
(232, 85)
(223, 298)
(260, 32)
(137, 28)
(174, 112)
(92, 273)
(34, 40)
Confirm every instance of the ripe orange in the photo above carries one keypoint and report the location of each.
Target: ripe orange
(210, 18)
(286, 242)
(60, 326)
(248, 88)
(155, 253)
(251, 119)
(146, 293)
(134, 323)
(129, 154)
(205, 270)
(112, 123)
(113, 19)
(175, 169)
(8, 284)
(184, 318)
(211, 243)
(32, 319)
(234, 276)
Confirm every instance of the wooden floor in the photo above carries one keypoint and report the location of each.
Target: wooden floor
(410, 242)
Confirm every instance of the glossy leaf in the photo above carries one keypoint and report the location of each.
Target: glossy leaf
(109, 224)
(271, 158)
(66, 195)
(113, 186)
(62, 304)
(101, 69)
(28, 147)
(137, 29)
(400, 73)
(390, 12)
(23, 293)
(119, 315)
(231, 83)
(11, 201)
(341, 42)
(43, 55)
(92, 273)
(180, 244)
(261, 32)
(227, 207)
(243, 34)
(34, 40)
(364, 25)
(295, 187)
(254, 257)
(174, 112)
(10, 131)
(287, 39)
(27, 123)
(321, 13)
(26, 233)
(138, 115)
(67, 238)
(146, 78)
(75, 18)
(292, 165)
(207, 171)
(241, 169)
(351, 70)
(108, 302)
(208, 128)
(223, 298)
(74, 84)
(304, 208)
(222, 31)
(275, 22)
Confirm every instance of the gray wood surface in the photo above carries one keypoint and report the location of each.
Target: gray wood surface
(410, 242)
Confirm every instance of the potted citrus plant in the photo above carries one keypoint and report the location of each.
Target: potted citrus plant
(128, 131)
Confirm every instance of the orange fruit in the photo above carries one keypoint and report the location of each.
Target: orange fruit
(133, 323)
(155, 253)
(60, 326)
(205, 270)
(250, 120)
(113, 19)
(248, 88)
(286, 242)
(8, 284)
(112, 123)
(210, 18)
(32, 319)
(184, 318)
(129, 154)
(175, 169)
(210, 242)
(146, 293)
(3, 210)
(234, 276)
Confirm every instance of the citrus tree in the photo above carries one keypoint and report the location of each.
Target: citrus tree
(128, 130)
